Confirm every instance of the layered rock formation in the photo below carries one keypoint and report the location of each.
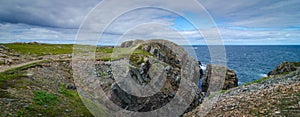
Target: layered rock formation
(269, 96)
(164, 68)
(230, 79)
(284, 67)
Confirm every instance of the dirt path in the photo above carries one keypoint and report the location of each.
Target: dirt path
(6, 68)
(44, 58)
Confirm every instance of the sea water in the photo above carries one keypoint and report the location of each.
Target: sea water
(251, 62)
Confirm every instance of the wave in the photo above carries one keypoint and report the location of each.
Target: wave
(263, 75)
(203, 67)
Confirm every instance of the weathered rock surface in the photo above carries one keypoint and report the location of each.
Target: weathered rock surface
(273, 96)
(230, 80)
(164, 59)
(131, 43)
(284, 67)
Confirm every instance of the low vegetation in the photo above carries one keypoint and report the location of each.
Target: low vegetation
(45, 102)
(297, 64)
(40, 49)
(15, 73)
(42, 98)
(256, 81)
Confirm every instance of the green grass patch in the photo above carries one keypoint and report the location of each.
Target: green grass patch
(40, 49)
(103, 74)
(2, 62)
(4, 77)
(138, 56)
(110, 58)
(297, 64)
(42, 97)
(105, 49)
(67, 104)
(118, 53)
(223, 91)
(212, 95)
(15, 73)
(256, 81)
(65, 92)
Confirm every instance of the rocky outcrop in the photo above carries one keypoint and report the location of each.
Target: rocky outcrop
(131, 43)
(164, 64)
(271, 96)
(283, 68)
(230, 81)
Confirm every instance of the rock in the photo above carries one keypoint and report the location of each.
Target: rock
(132, 43)
(3, 55)
(230, 81)
(2, 47)
(284, 67)
(277, 112)
(71, 86)
(16, 55)
(166, 60)
(9, 100)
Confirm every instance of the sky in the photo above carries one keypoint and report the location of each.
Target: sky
(239, 22)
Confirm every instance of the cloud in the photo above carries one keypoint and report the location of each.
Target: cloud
(28, 33)
(255, 13)
(56, 21)
(49, 13)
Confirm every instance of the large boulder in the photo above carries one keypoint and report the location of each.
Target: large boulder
(131, 43)
(282, 68)
(213, 71)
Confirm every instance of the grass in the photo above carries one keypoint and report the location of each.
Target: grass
(63, 103)
(111, 54)
(256, 81)
(138, 56)
(297, 64)
(223, 91)
(42, 98)
(15, 73)
(57, 104)
(104, 49)
(65, 92)
(103, 74)
(2, 62)
(40, 49)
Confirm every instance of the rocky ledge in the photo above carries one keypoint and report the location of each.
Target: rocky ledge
(230, 80)
(277, 95)
(158, 65)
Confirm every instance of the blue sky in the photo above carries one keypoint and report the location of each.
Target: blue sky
(240, 22)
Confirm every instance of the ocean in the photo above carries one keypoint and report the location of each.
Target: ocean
(251, 62)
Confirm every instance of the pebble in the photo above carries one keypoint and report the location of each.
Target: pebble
(9, 100)
(67, 110)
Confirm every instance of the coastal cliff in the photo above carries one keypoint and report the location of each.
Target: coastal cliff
(151, 61)
(38, 83)
(277, 95)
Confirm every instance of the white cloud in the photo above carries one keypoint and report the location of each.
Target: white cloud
(28, 33)
(57, 21)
